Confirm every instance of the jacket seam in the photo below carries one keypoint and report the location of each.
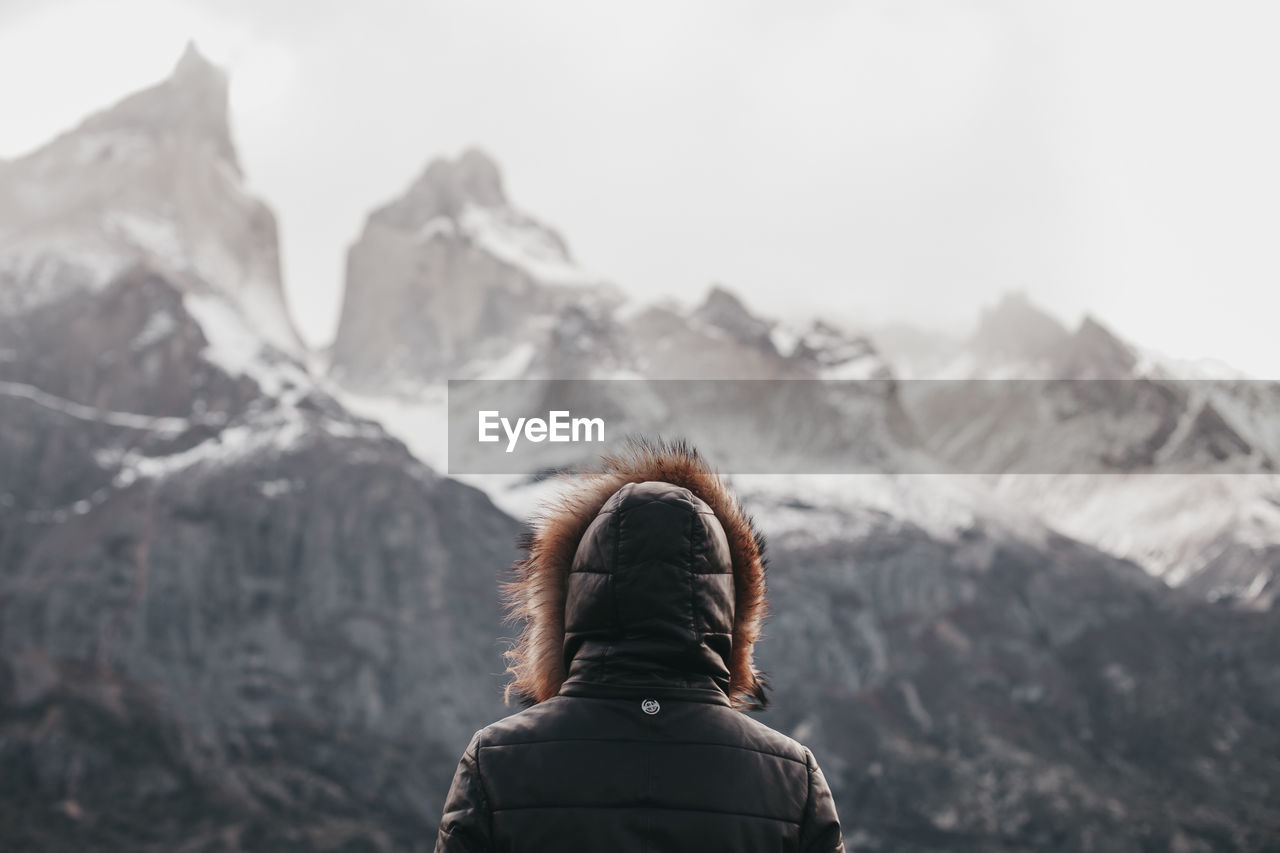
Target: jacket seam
(605, 691)
(808, 793)
(486, 800)
(693, 591)
(650, 742)
(651, 807)
(613, 592)
(648, 501)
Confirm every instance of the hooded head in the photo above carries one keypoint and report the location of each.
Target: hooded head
(643, 573)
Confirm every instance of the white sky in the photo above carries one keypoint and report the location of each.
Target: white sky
(869, 161)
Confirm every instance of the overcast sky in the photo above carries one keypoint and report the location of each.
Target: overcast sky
(869, 161)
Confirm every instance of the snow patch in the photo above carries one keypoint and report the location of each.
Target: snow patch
(284, 430)
(1171, 525)
(164, 425)
(439, 226)
(154, 235)
(418, 417)
(238, 350)
(160, 325)
(522, 243)
(275, 488)
(785, 339)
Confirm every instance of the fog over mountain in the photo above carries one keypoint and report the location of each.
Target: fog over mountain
(241, 608)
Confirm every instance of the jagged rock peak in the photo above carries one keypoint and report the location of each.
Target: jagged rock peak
(829, 346)
(191, 101)
(195, 66)
(1212, 434)
(723, 304)
(1095, 352)
(1017, 327)
(1092, 333)
(724, 310)
(446, 188)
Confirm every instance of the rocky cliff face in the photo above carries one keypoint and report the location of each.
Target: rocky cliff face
(450, 276)
(232, 614)
(1007, 689)
(227, 611)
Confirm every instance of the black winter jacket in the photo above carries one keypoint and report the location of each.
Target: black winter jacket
(639, 747)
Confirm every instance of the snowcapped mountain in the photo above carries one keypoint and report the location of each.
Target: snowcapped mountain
(450, 280)
(879, 578)
(236, 616)
(153, 180)
(1166, 463)
(216, 583)
(406, 306)
(433, 294)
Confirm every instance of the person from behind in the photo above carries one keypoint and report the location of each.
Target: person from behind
(641, 598)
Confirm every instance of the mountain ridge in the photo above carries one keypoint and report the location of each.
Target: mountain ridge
(237, 615)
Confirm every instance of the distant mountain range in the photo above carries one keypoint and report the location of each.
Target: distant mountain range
(433, 293)
(241, 609)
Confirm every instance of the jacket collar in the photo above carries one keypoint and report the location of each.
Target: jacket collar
(689, 690)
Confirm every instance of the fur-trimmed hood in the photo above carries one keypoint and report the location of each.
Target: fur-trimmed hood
(538, 595)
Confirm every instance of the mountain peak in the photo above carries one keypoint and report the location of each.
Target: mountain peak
(194, 66)
(721, 298)
(1095, 352)
(153, 179)
(1017, 327)
(191, 102)
(473, 176)
(446, 188)
(478, 173)
(725, 310)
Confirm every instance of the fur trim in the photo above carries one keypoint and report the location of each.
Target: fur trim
(536, 598)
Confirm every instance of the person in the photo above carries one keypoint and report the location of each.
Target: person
(641, 597)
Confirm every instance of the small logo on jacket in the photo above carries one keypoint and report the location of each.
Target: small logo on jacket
(650, 706)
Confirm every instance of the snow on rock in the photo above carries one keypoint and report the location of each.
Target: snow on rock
(450, 276)
(825, 507)
(464, 199)
(153, 180)
(840, 355)
(1172, 525)
(417, 416)
(235, 346)
(79, 411)
(524, 244)
(1215, 531)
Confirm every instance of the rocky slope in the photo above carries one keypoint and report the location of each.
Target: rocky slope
(233, 616)
(996, 687)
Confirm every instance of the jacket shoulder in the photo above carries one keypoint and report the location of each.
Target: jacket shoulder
(607, 719)
(534, 723)
(756, 735)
